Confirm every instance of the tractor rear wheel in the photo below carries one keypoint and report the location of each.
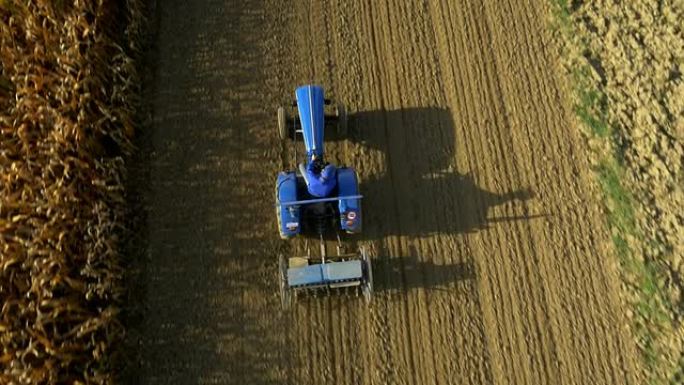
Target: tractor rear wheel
(278, 216)
(283, 130)
(280, 223)
(341, 114)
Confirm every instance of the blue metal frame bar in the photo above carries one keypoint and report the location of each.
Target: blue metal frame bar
(294, 203)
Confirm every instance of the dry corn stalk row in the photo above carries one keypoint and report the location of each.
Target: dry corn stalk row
(67, 97)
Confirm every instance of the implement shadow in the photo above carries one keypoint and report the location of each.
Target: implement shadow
(412, 271)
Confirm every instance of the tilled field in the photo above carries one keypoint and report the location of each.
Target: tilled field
(492, 261)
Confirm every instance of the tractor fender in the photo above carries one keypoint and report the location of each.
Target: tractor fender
(350, 209)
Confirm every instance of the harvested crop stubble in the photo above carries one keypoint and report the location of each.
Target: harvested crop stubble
(67, 96)
(635, 51)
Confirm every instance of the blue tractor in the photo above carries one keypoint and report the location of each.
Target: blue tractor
(318, 199)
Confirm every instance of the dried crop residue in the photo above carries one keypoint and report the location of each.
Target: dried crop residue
(489, 252)
(67, 87)
(628, 61)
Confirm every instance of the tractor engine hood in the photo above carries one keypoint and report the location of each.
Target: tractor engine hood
(310, 104)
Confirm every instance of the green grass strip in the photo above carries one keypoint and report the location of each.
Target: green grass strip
(649, 318)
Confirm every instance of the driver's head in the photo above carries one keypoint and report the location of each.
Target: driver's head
(328, 172)
(318, 163)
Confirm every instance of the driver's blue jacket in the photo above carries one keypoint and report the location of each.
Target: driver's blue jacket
(320, 185)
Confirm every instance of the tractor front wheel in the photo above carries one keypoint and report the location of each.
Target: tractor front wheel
(341, 114)
(283, 130)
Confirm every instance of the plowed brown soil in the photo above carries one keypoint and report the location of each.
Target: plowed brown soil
(492, 261)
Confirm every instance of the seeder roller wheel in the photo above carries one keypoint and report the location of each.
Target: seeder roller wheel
(285, 292)
(367, 284)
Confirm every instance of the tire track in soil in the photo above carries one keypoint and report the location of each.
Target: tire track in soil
(457, 118)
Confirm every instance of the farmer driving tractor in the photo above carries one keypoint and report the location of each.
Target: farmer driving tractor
(320, 176)
(317, 199)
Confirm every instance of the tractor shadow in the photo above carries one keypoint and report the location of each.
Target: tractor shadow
(446, 204)
(419, 192)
